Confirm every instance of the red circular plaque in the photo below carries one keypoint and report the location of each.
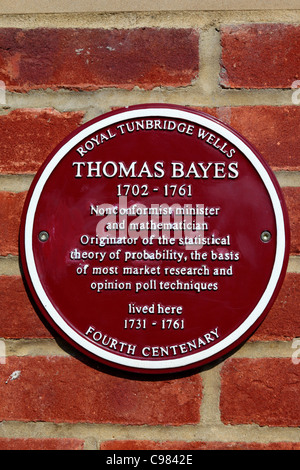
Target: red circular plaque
(154, 239)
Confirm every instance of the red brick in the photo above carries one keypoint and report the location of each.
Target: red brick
(292, 199)
(63, 389)
(18, 318)
(282, 322)
(197, 445)
(28, 135)
(271, 129)
(40, 444)
(260, 55)
(88, 59)
(11, 206)
(260, 391)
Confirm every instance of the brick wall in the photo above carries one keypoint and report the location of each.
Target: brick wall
(61, 71)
